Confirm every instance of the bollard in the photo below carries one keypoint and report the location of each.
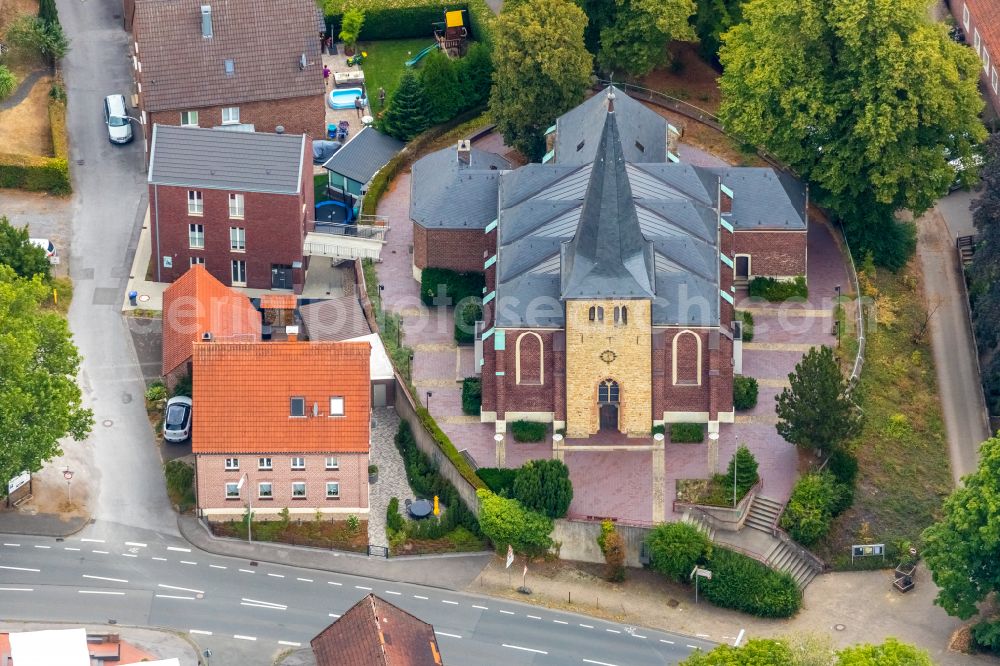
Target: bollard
(132, 296)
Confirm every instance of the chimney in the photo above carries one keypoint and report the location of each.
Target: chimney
(206, 21)
(206, 336)
(293, 333)
(464, 152)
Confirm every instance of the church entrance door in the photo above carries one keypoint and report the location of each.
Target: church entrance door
(607, 402)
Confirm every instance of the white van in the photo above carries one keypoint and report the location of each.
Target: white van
(50, 250)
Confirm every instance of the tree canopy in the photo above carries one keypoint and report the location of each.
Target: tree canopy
(541, 70)
(506, 522)
(40, 402)
(961, 549)
(439, 78)
(815, 411)
(544, 486)
(808, 651)
(18, 252)
(755, 652)
(889, 653)
(409, 111)
(984, 290)
(675, 548)
(631, 36)
(867, 101)
(712, 19)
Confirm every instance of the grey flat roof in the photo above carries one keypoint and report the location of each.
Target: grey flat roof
(447, 195)
(362, 156)
(334, 319)
(215, 159)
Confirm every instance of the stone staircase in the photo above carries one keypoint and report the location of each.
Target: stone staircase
(700, 523)
(787, 557)
(764, 514)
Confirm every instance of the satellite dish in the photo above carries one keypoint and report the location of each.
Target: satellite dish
(315, 409)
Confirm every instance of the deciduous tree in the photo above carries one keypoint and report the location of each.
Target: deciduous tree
(889, 653)
(984, 290)
(541, 70)
(815, 412)
(674, 549)
(867, 101)
(712, 19)
(18, 252)
(633, 34)
(40, 402)
(506, 522)
(755, 652)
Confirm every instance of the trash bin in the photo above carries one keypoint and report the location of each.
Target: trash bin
(132, 296)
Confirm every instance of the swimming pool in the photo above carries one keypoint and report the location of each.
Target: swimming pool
(343, 98)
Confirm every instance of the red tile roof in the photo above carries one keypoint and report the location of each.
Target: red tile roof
(376, 633)
(197, 303)
(985, 17)
(243, 391)
(278, 302)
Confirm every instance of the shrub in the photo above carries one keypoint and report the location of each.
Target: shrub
(744, 584)
(815, 500)
(475, 75)
(393, 520)
(183, 386)
(607, 527)
(156, 392)
(472, 396)
(675, 548)
(449, 286)
(180, 483)
(505, 521)
(449, 450)
(350, 26)
(57, 123)
(466, 316)
(35, 34)
(843, 465)
(614, 557)
(659, 429)
(528, 431)
(775, 290)
(686, 433)
(47, 11)
(498, 479)
(544, 486)
(353, 524)
(439, 77)
(35, 173)
(743, 465)
(373, 469)
(8, 82)
(986, 635)
(744, 392)
(747, 318)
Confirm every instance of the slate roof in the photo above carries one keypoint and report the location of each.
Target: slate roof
(334, 319)
(242, 395)
(445, 194)
(196, 303)
(764, 199)
(643, 132)
(373, 632)
(215, 159)
(608, 255)
(362, 157)
(264, 39)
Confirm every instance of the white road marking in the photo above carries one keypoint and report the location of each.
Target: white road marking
(113, 580)
(217, 566)
(330, 582)
(637, 636)
(188, 562)
(612, 631)
(305, 580)
(663, 640)
(518, 647)
(417, 596)
(392, 592)
(117, 594)
(362, 587)
(276, 575)
(599, 663)
(16, 589)
(43, 547)
(20, 569)
(172, 596)
(333, 614)
(702, 635)
(693, 647)
(449, 601)
(244, 638)
(129, 555)
(133, 543)
(160, 559)
(480, 607)
(179, 550)
(291, 643)
(100, 552)
(506, 612)
(739, 638)
(441, 633)
(534, 617)
(560, 622)
(265, 603)
(587, 626)
(182, 589)
(199, 631)
(13, 545)
(68, 548)
(281, 608)
(92, 540)
(247, 571)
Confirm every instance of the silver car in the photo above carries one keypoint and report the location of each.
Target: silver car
(177, 419)
(117, 120)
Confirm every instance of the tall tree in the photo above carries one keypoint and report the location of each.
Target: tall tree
(633, 39)
(409, 112)
(439, 79)
(867, 101)
(40, 402)
(18, 252)
(961, 549)
(815, 412)
(506, 522)
(475, 75)
(742, 468)
(712, 18)
(984, 290)
(544, 486)
(541, 70)
(675, 548)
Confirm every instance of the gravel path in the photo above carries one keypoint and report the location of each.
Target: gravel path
(391, 473)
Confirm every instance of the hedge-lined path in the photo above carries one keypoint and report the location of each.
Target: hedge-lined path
(23, 90)
(391, 474)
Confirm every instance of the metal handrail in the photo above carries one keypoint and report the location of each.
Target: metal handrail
(811, 560)
(859, 359)
(685, 108)
(739, 510)
(367, 232)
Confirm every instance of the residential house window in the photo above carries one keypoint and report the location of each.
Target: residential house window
(332, 463)
(965, 16)
(189, 118)
(977, 41)
(337, 406)
(196, 205)
(232, 463)
(263, 463)
(994, 81)
(230, 115)
(298, 407)
(265, 490)
(298, 489)
(332, 490)
(197, 261)
(236, 206)
(239, 273)
(298, 463)
(196, 236)
(232, 491)
(237, 239)
(986, 60)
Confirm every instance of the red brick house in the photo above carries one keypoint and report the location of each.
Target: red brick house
(251, 63)
(292, 419)
(196, 307)
(373, 632)
(980, 23)
(239, 203)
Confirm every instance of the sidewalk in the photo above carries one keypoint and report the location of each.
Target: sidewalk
(41, 524)
(452, 572)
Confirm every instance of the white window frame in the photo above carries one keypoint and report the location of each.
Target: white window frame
(993, 80)
(965, 15)
(238, 269)
(236, 206)
(336, 400)
(232, 490)
(986, 61)
(233, 113)
(196, 236)
(977, 40)
(264, 463)
(304, 490)
(291, 411)
(232, 464)
(196, 203)
(260, 490)
(298, 463)
(331, 463)
(196, 261)
(335, 495)
(189, 119)
(237, 239)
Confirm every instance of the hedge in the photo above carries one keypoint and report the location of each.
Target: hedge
(472, 396)
(37, 173)
(816, 499)
(744, 392)
(528, 431)
(465, 321)
(498, 479)
(747, 318)
(776, 290)
(686, 433)
(744, 584)
(403, 19)
(457, 287)
(460, 463)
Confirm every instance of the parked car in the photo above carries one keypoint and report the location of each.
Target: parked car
(177, 419)
(50, 250)
(117, 120)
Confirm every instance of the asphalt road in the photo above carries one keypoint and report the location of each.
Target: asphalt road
(163, 582)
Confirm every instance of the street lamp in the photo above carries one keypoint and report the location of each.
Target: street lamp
(429, 394)
(736, 464)
(68, 475)
(836, 313)
(239, 486)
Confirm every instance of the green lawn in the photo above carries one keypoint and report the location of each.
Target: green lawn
(384, 64)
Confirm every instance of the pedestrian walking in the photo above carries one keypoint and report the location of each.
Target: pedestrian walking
(358, 106)
(381, 97)
(326, 75)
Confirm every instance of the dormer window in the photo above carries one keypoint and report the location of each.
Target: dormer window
(641, 147)
(230, 67)
(337, 406)
(297, 407)
(579, 146)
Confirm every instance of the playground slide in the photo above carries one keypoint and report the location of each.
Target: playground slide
(415, 59)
